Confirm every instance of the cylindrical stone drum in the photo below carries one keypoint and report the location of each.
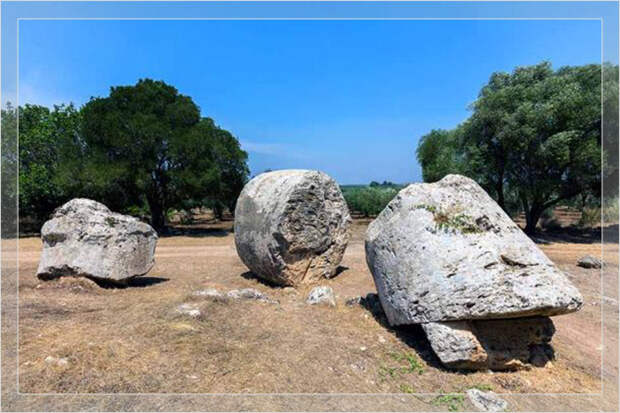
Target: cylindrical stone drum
(291, 226)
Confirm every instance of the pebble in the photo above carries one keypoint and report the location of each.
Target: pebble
(189, 309)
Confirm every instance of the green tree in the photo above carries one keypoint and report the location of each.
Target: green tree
(534, 135)
(228, 167)
(610, 130)
(8, 164)
(370, 200)
(148, 140)
(438, 154)
(47, 141)
(549, 132)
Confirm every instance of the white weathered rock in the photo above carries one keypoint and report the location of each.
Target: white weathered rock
(291, 226)
(486, 401)
(189, 309)
(84, 238)
(321, 295)
(588, 261)
(446, 251)
(249, 294)
(58, 361)
(208, 292)
(492, 344)
(352, 301)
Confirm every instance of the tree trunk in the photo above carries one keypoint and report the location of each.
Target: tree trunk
(532, 216)
(499, 188)
(218, 211)
(158, 220)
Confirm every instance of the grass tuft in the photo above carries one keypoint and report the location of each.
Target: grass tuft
(454, 402)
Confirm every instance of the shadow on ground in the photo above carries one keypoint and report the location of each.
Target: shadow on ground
(574, 235)
(249, 275)
(412, 335)
(136, 282)
(194, 232)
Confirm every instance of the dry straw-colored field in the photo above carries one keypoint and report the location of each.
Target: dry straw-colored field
(133, 341)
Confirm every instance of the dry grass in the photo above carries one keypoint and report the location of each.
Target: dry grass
(132, 340)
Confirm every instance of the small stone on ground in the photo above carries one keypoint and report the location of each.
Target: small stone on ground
(189, 309)
(588, 261)
(321, 295)
(249, 294)
(208, 292)
(486, 401)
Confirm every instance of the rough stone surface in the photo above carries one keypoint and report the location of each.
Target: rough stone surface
(446, 251)
(208, 292)
(84, 238)
(486, 401)
(291, 226)
(189, 309)
(57, 361)
(249, 294)
(350, 302)
(492, 344)
(321, 295)
(589, 261)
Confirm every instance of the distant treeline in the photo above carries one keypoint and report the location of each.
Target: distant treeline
(534, 140)
(144, 149)
(369, 200)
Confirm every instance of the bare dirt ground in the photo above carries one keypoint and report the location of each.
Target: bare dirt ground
(133, 341)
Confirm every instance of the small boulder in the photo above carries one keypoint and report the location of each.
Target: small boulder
(510, 344)
(588, 261)
(446, 251)
(249, 294)
(353, 301)
(321, 295)
(189, 309)
(84, 238)
(57, 361)
(208, 292)
(486, 401)
(291, 226)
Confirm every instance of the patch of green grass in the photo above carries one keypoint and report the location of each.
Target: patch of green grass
(429, 208)
(413, 363)
(385, 371)
(454, 402)
(460, 222)
(447, 220)
(406, 388)
(407, 363)
(111, 221)
(481, 387)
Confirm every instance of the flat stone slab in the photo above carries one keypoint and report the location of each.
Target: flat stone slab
(321, 295)
(84, 238)
(510, 344)
(291, 226)
(588, 261)
(446, 251)
(486, 401)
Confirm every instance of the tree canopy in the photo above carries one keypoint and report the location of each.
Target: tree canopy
(534, 136)
(144, 144)
(47, 139)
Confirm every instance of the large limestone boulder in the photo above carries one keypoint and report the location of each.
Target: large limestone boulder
(291, 226)
(446, 251)
(84, 238)
(492, 344)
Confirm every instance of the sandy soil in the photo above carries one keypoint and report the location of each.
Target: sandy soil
(133, 341)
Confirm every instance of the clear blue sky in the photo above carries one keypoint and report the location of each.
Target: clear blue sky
(350, 98)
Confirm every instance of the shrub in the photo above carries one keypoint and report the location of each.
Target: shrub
(369, 201)
(591, 215)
